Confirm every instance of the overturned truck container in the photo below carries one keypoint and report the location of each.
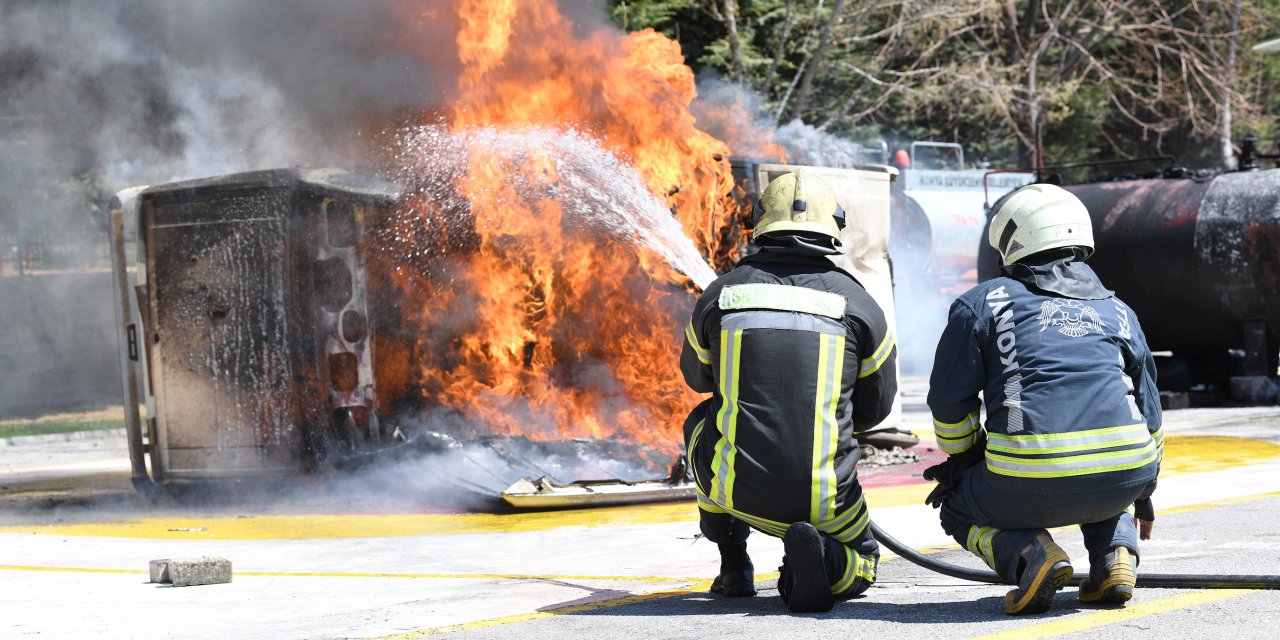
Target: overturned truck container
(244, 323)
(251, 308)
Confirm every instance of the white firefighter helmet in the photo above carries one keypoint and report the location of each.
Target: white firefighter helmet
(1036, 218)
(798, 202)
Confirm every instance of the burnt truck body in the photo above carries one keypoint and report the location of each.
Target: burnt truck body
(1198, 259)
(244, 322)
(251, 308)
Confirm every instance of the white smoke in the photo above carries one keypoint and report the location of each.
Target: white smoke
(735, 114)
(805, 144)
(923, 292)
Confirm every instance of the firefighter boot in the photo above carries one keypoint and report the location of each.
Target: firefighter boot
(1044, 568)
(1111, 578)
(737, 575)
(803, 582)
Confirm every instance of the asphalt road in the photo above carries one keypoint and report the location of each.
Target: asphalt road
(910, 602)
(363, 558)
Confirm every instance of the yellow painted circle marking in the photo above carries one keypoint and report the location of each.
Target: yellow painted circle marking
(1183, 454)
(1197, 454)
(308, 526)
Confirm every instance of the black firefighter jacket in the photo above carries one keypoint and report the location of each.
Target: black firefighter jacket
(797, 356)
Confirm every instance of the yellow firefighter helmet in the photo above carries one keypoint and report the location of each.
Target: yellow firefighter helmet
(798, 202)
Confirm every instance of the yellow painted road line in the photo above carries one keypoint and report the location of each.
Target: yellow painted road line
(1086, 621)
(373, 574)
(324, 526)
(106, 464)
(701, 585)
(463, 576)
(1219, 502)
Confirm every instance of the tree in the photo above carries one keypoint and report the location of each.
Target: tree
(1077, 79)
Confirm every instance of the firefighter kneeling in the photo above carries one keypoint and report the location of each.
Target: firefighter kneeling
(797, 355)
(1073, 416)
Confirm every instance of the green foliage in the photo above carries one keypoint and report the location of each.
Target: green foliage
(1094, 80)
(1262, 84)
(754, 62)
(14, 429)
(659, 15)
(682, 20)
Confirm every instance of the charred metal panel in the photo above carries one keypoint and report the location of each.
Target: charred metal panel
(1196, 259)
(224, 358)
(258, 326)
(1238, 245)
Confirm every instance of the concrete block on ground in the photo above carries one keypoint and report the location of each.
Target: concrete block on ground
(160, 571)
(1253, 390)
(189, 572)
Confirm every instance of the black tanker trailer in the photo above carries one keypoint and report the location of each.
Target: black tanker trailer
(1198, 258)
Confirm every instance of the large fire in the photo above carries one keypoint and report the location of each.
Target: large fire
(527, 310)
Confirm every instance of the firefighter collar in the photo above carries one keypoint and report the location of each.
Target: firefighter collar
(1066, 275)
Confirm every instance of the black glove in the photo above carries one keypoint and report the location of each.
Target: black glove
(1144, 510)
(949, 472)
(938, 495)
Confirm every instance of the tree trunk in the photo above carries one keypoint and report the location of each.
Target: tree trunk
(1229, 87)
(815, 64)
(778, 51)
(785, 101)
(735, 45)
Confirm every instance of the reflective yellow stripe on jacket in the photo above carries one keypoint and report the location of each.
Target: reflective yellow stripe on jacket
(956, 437)
(868, 366)
(826, 432)
(782, 297)
(690, 334)
(727, 418)
(1059, 455)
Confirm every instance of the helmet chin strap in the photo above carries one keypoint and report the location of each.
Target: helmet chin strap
(757, 212)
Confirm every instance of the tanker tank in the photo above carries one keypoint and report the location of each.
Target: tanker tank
(1199, 261)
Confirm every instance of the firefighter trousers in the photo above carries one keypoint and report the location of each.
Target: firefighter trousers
(850, 565)
(995, 523)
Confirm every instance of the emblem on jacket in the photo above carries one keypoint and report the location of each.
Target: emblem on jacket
(1072, 318)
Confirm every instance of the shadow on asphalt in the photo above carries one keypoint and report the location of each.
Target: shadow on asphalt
(945, 610)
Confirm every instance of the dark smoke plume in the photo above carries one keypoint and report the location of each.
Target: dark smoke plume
(97, 96)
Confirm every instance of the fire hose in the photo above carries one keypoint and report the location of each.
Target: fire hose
(1155, 580)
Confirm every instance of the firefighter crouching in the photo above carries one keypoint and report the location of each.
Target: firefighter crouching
(797, 355)
(1073, 416)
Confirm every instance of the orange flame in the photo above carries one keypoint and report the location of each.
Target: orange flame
(525, 320)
